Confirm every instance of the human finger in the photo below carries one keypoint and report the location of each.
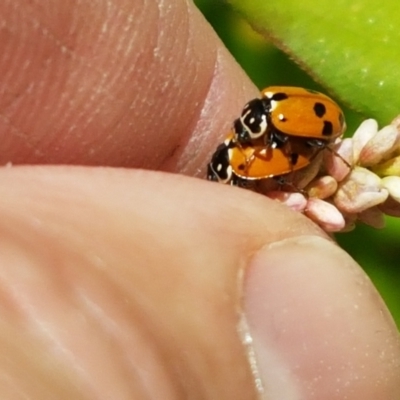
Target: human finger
(143, 84)
(148, 284)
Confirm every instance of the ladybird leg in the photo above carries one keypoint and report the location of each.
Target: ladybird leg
(281, 180)
(316, 143)
(250, 159)
(338, 155)
(244, 183)
(293, 157)
(286, 181)
(263, 152)
(322, 145)
(276, 139)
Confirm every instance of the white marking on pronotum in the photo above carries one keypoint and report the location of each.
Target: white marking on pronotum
(273, 105)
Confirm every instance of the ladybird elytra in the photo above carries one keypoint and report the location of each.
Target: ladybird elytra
(233, 162)
(260, 162)
(296, 111)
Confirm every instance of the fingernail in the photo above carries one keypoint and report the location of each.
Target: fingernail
(294, 291)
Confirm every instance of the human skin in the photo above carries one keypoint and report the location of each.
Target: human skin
(124, 283)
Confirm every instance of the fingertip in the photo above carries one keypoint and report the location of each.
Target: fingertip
(150, 87)
(318, 325)
(172, 252)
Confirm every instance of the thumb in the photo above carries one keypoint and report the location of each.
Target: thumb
(131, 284)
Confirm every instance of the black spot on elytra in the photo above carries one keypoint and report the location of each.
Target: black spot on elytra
(327, 130)
(279, 96)
(241, 167)
(319, 109)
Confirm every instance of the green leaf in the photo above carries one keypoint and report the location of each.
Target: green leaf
(351, 47)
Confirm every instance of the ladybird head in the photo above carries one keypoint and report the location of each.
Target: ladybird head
(219, 169)
(254, 119)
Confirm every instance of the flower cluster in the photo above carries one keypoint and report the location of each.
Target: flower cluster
(358, 179)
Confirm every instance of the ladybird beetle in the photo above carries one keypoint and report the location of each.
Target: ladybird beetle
(284, 112)
(236, 164)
